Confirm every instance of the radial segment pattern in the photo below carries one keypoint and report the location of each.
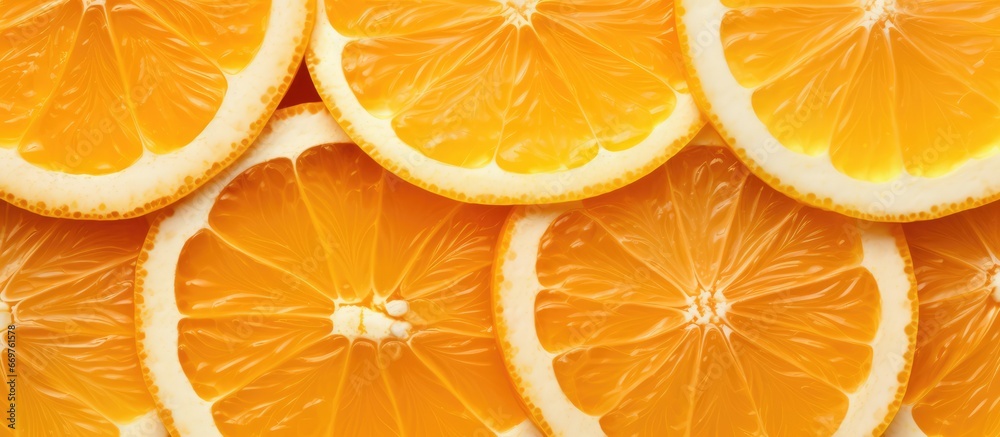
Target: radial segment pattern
(88, 87)
(881, 86)
(700, 301)
(66, 294)
(530, 86)
(327, 296)
(955, 385)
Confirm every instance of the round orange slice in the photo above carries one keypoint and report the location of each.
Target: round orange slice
(69, 356)
(955, 386)
(699, 301)
(114, 108)
(507, 101)
(307, 291)
(879, 109)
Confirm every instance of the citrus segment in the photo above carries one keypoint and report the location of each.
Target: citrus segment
(358, 304)
(34, 57)
(66, 301)
(91, 93)
(856, 106)
(727, 297)
(229, 33)
(157, 66)
(510, 95)
(278, 399)
(119, 107)
(953, 386)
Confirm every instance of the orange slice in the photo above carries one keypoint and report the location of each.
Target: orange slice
(114, 108)
(307, 291)
(509, 101)
(70, 364)
(954, 386)
(699, 301)
(878, 109)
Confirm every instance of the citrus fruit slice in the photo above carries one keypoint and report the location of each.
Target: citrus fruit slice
(506, 101)
(878, 109)
(114, 108)
(699, 301)
(954, 386)
(70, 364)
(307, 291)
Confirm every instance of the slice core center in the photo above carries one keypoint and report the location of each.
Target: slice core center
(708, 307)
(356, 321)
(519, 12)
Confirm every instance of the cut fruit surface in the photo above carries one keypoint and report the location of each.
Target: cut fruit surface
(507, 101)
(111, 109)
(307, 291)
(954, 387)
(702, 302)
(878, 109)
(66, 305)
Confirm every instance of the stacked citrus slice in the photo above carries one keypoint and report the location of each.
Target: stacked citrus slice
(879, 109)
(307, 291)
(114, 108)
(955, 386)
(511, 101)
(70, 363)
(699, 301)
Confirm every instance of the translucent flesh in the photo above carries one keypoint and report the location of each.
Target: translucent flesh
(292, 240)
(914, 89)
(88, 91)
(69, 285)
(954, 385)
(699, 299)
(533, 89)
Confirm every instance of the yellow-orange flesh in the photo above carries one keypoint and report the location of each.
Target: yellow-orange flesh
(285, 297)
(883, 86)
(67, 287)
(89, 86)
(955, 387)
(701, 301)
(532, 86)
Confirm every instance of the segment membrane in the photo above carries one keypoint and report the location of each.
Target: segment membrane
(533, 87)
(753, 295)
(911, 88)
(86, 127)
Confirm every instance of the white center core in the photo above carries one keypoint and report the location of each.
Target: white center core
(354, 322)
(519, 12)
(994, 282)
(707, 308)
(878, 10)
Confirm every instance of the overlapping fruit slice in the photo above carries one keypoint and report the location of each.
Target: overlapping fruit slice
(509, 101)
(97, 96)
(699, 301)
(312, 292)
(954, 386)
(70, 363)
(879, 109)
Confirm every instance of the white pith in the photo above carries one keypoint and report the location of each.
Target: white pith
(903, 425)
(491, 181)
(699, 26)
(287, 138)
(354, 322)
(156, 176)
(533, 365)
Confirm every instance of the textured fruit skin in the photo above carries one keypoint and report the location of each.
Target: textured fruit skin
(272, 96)
(698, 91)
